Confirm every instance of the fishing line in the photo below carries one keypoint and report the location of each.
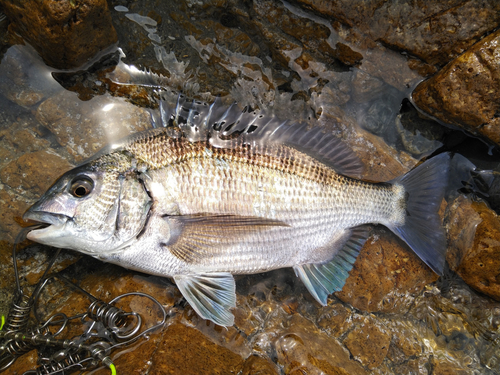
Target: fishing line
(110, 325)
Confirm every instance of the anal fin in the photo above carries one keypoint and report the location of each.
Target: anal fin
(211, 295)
(322, 279)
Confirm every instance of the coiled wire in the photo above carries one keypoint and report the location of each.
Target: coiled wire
(19, 314)
(49, 366)
(114, 318)
(79, 353)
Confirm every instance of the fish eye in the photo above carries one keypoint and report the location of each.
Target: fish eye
(81, 187)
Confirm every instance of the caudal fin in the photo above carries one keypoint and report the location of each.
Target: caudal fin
(422, 231)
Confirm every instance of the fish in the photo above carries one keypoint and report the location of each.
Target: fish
(212, 191)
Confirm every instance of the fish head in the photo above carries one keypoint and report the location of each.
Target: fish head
(93, 208)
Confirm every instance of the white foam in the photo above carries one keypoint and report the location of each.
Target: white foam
(121, 8)
(141, 20)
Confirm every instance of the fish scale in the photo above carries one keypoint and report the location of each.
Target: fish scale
(228, 192)
(327, 211)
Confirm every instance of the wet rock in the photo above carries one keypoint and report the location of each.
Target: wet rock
(466, 92)
(13, 206)
(386, 276)
(24, 79)
(255, 365)
(83, 128)
(412, 367)
(312, 35)
(436, 32)
(368, 344)
(107, 283)
(34, 171)
(232, 38)
(22, 181)
(474, 251)
(177, 354)
(67, 34)
(335, 319)
(444, 367)
(32, 261)
(420, 136)
(302, 348)
(20, 137)
(404, 342)
(345, 54)
(365, 87)
(28, 362)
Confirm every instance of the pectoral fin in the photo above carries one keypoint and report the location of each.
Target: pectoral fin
(211, 295)
(325, 278)
(195, 237)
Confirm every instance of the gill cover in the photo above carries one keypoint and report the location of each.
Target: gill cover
(93, 208)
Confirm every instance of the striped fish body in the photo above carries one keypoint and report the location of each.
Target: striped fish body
(315, 206)
(217, 192)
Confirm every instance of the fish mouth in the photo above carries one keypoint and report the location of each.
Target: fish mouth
(51, 223)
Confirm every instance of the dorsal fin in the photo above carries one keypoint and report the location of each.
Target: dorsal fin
(227, 127)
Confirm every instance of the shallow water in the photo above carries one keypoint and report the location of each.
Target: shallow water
(51, 120)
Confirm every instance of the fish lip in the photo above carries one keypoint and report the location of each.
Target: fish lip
(46, 217)
(52, 229)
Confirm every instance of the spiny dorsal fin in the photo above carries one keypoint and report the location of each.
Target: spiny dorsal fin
(227, 127)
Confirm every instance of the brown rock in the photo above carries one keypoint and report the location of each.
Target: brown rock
(13, 206)
(34, 171)
(26, 363)
(474, 250)
(312, 35)
(345, 54)
(335, 319)
(67, 34)
(406, 341)
(444, 367)
(386, 275)
(18, 139)
(466, 92)
(185, 350)
(255, 365)
(232, 38)
(368, 344)
(302, 348)
(412, 367)
(436, 32)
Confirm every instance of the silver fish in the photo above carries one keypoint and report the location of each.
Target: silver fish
(217, 192)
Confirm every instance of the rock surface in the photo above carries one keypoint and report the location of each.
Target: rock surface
(474, 245)
(436, 32)
(21, 81)
(386, 276)
(466, 92)
(277, 330)
(67, 34)
(83, 128)
(324, 63)
(43, 168)
(368, 344)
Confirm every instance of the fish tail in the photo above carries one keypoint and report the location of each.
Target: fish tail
(422, 229)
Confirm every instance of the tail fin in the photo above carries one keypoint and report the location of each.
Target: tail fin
(422, 231)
